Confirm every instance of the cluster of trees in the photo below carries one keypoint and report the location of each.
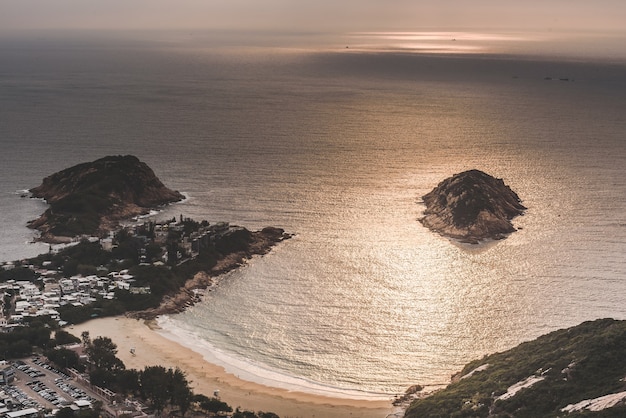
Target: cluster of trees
(18, 273)
(84, 258)
(61, 356)
(100, 308)
(164, 388)
(162, 280)
(36, 334)
(20, 342)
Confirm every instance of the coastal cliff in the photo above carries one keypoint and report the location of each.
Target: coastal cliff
(471, 206)
(91, 198)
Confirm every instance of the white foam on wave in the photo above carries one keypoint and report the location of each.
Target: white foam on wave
(245, 369)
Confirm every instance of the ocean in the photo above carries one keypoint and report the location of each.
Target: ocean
(335, 139)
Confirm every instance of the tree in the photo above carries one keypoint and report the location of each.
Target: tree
(127, 381)
(153, 252)
(97, 407)
(70, 267)
(37, 333)
(180, 393)
(65, 413)
(86, 269)
(213, 405)
(62, 337)
(84, 336)
(155, 386)
(63, 358)
(20, 348)
(102, 377)
(102, 353)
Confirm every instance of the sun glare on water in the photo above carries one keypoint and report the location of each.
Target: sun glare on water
(433, 42)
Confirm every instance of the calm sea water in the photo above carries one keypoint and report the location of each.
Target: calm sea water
(337, 145)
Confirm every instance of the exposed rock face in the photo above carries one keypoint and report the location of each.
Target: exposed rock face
(91, 198)
(471, 206)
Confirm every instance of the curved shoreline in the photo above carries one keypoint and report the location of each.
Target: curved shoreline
(153, 348)
(257, 372)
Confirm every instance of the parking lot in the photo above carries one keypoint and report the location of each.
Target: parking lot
(39, 385)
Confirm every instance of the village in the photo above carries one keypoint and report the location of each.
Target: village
(42, 288)
(154, 244)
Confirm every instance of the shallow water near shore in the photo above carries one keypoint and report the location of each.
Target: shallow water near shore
(255, 372)
(338, 148)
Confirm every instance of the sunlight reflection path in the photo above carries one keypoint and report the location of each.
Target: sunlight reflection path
(434, 42)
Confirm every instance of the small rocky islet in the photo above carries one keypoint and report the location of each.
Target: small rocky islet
(472, 206)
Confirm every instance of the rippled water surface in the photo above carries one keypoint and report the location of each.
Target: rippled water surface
(337, 147)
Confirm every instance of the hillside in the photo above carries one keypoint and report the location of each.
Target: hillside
(471, 206)
(574, 372)
(90, 198)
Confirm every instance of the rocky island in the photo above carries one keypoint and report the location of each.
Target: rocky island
(472, 206)
(91, 198)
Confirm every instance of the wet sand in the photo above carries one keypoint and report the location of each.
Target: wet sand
(152, 348)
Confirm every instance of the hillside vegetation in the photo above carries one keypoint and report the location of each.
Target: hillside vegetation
(548, 377)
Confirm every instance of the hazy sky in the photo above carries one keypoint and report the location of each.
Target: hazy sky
(311, 15)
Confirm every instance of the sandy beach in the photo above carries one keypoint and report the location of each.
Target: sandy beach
(153, 348)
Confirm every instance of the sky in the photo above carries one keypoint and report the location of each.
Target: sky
(314, 15)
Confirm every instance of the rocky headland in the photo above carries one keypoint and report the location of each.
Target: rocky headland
(574, 372)
(472, 206)
(91, 198)
(251, 243)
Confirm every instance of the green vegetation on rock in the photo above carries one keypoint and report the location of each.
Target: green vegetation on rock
(567, 366)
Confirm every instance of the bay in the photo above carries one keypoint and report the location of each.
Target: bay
(337, 147)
